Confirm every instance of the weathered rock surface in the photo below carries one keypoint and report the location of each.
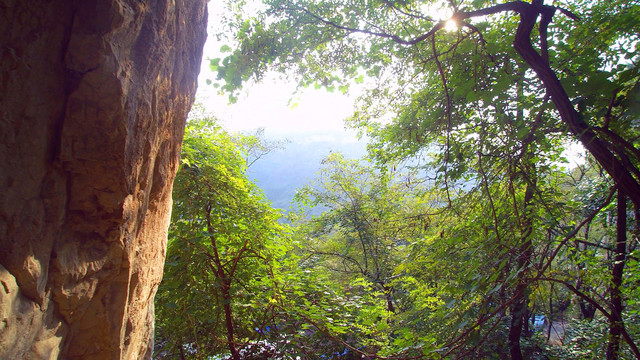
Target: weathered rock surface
(93, 100)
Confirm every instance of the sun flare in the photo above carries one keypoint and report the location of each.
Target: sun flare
(451, 25)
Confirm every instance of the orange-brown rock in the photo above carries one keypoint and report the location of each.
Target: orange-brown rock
(93, 101)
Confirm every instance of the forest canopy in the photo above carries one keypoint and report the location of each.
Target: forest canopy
(462, 234)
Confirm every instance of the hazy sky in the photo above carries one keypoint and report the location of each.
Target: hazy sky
(267, 104)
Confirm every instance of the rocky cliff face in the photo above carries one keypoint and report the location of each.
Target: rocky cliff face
(93, 100)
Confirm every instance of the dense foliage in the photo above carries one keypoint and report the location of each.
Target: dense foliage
(224, 243)
(465, 228)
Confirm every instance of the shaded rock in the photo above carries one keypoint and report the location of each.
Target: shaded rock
(94, 97)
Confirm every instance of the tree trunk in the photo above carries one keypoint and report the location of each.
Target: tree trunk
(390, 307)
(519, 306)
(225, 287)
(587, 310)
(182, 356)
(515, 327)
(228, 319)
(615, 296)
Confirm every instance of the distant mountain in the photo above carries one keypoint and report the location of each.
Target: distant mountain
(282, 172)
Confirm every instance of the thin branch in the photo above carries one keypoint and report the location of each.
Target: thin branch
(478, 323)
(412, 14)
(607, 116)
(448, 112)
(572, 234)
(493, 209)
(342, 256)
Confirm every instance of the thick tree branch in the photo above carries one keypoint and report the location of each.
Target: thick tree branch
(577, 126)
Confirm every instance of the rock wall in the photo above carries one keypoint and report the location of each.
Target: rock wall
(93, 101)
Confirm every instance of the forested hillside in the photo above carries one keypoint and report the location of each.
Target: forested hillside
(284, 170)
(462, 234)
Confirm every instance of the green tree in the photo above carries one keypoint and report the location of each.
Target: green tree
(224, 243)
(369, 218)
(368, 222)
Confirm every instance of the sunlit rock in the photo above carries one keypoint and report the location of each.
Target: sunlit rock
(93, 101)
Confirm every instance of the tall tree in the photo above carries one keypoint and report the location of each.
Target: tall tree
(223, 244)
(369, 217)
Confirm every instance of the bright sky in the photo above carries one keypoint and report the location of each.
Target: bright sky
(267, 104)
